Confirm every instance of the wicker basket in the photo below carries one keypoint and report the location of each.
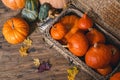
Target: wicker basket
(45, 28)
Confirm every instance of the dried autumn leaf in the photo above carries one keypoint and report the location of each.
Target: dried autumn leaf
(23, 51)
(70, 78)
(44, 66)
(36, 62)
(72, 72)
(27, 42)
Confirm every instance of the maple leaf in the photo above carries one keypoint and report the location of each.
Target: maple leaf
(27, 42)
(36, 62)
(72, 72)
(23, 51)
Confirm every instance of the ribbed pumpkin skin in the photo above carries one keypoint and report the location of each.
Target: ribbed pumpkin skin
(85, 22)
(58, 31)
(78, 44)
(30, 12)
(15, 30)
(105, 71)
(115, 55)
(55, 3)
(14, 4)
(116, 76)
(43, 14)
(69, 20)
(95, 36)
(98, 56)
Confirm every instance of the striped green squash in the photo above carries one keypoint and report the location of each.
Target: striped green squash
(43, 12)
(30, 12)
(32, 5)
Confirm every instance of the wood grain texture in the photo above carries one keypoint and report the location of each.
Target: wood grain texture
(14, 67)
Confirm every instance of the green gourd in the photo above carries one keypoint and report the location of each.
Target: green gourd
(30, 12)
(44, 9)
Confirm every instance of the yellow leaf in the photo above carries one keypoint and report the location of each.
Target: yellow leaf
(23, 51)
(72, 72)
(28, 42)
(36, 62)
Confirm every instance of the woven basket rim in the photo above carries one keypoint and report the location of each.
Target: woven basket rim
(67, 53)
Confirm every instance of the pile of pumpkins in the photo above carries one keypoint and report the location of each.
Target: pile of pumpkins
(82, 39)
(77, 33)
(15, 29)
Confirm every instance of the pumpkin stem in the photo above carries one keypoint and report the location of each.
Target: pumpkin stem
(12, 25)
(113, 51)
(65, 46)
(50, 14)
(95, 45)
(90, 29)
(84, 16)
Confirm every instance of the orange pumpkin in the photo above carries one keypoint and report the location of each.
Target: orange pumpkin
(78, 44)
(116, 76)
(98, 56)
(14, 4)
(58, 31)
(95, 36)
(85, 22)
(73, 30)
(115, 55)
(105, 71)
(69, 21)
(55, 3)
(15, 30)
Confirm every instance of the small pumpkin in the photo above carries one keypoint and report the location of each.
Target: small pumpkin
(98, 56)
(115, 76)
(55, 3)
(115, 55)
(14, 4)
(69, 21)
(15, 30)
(71, 32)
(95, 36)
(78, 44)
(30, 12)
(58, 31)
(105, 71)
(44, 9)
(85, 22)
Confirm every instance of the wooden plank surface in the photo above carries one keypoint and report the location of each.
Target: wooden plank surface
(14, 67)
